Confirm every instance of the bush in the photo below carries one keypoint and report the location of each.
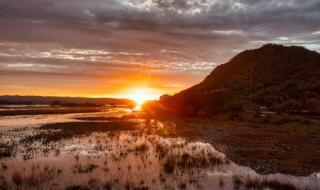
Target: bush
(235, 109)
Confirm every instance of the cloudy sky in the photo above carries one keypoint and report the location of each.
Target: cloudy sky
(106, 47)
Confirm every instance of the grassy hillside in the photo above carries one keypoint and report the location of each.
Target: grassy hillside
(273, 77)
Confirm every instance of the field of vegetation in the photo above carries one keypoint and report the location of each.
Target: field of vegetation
(119, 149)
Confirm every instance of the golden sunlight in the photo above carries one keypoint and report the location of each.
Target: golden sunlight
(141, 95)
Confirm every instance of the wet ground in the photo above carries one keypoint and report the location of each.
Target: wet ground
(290, 149)
(120, 149)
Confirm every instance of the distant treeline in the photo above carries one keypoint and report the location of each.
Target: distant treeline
(5, 102)
(68, 104)
(52, 103)
(61, 101)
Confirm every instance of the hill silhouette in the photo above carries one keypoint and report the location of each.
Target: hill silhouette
(274, 78)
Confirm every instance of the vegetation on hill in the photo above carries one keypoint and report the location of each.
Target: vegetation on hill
(272, 78)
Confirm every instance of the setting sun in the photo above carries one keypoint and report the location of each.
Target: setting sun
(141, 95)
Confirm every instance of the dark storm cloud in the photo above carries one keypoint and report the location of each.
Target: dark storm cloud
(174, 35)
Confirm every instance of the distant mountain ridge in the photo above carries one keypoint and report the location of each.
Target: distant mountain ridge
(277, 77)
(50, 99)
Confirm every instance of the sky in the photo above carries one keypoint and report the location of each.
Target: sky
(108, 48)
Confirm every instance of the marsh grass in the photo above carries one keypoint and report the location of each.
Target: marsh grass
(141, 148)
(89, 168)
(36, 178)
(3, 183)
(77, 187)
(261, 184)
(197, 158)
(6, 151)
(62, 131)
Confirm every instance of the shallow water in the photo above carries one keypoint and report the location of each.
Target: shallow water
(123, 159)
(21, 121)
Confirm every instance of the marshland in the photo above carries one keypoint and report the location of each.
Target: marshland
(159, 94)
(117, 148)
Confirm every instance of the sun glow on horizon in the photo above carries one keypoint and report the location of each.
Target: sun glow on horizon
(141, 95)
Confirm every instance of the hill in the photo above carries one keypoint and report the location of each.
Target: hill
(274, 78)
